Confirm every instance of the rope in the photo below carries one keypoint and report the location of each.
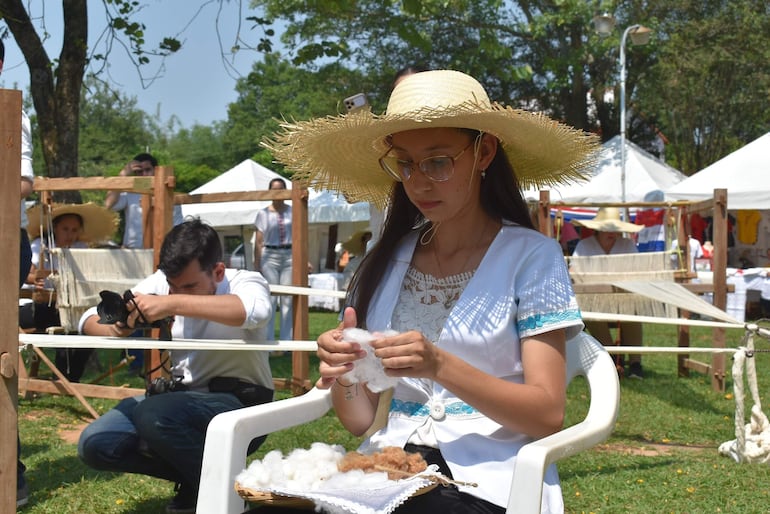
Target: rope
(752, 440)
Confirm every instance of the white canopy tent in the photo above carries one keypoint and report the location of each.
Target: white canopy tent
(246, 176)
(644, 174)
(330, 207)
(744, 173)
(237, 218)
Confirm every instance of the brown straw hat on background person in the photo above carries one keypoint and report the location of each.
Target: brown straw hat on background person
(99, 223)
(356, 244)
(607, 219)
(341, 152)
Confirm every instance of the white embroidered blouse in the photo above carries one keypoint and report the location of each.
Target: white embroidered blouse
(424, 304)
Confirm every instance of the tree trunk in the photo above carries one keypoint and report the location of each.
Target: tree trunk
(55, 92)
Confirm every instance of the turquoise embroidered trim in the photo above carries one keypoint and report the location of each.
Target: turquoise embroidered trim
(415, 409)
(542, 320)
(409, 408)
(459, 408)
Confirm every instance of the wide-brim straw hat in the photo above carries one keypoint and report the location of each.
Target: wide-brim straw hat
(355, 243)
(99, 223)
(607, 219)
(341, 152)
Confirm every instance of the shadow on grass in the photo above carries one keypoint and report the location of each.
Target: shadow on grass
(68, 481)
(637, 463)
(687, 393)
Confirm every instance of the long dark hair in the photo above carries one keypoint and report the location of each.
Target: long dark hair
(501, 199)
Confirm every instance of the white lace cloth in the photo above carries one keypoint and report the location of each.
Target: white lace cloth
(312, 474)
(368, 498)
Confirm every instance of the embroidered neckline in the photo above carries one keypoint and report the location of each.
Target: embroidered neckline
(430, 290)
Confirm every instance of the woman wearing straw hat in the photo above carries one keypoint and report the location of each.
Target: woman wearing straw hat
(61, 226)
(608, 239)
(355, 247)
(481, 301)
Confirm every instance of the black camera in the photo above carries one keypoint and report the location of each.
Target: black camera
(161, 385)
(114, 308)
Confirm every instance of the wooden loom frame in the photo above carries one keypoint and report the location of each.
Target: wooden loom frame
(157, 205)
(159, 198)
(719, 287)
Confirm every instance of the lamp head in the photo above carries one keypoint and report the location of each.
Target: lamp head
(641, 35)
(604, 24)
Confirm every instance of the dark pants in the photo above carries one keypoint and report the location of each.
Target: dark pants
(446, 500)
(160, 436)
(72, 362)
(25, 263)
(765, 304)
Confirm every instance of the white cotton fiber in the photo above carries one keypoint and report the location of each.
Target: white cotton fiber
(369, 369)
(301, 469)
(306, 470)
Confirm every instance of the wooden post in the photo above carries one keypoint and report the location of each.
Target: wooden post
(720, 284)
(544, 214)
(683, 331)
(163, 206)
(157, 216)
(299, 256)
(10, 173)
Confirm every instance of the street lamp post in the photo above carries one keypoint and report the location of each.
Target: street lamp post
(640, 35)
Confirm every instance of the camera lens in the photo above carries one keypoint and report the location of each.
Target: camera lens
(112, 308)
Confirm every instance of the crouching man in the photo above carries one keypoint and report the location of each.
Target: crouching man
(162, 435)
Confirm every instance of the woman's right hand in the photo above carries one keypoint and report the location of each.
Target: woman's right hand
(337, 356)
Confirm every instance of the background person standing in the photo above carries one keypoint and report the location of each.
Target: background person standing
(131, 203)
(272, 257)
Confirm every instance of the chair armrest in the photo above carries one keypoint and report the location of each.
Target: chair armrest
(534, 458)
(229, 434)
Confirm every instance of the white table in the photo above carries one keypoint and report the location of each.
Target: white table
(328, 281)
(744, 280)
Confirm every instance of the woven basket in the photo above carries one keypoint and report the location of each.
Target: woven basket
(268, 498)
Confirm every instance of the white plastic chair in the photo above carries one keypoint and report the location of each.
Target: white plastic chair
(229, 434)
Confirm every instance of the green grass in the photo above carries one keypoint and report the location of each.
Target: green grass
(662, 456)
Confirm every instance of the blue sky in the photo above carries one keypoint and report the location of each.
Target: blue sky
(196, 84)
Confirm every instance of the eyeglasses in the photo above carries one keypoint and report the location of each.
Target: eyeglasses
(438, 168)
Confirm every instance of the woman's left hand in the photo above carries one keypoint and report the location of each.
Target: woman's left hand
(408, 354)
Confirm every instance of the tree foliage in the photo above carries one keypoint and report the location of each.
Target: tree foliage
(55, 84)
(709, 87)
(701, 83)
(112, 130)
(528, 54)
(274, 90)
